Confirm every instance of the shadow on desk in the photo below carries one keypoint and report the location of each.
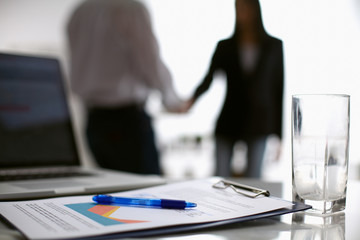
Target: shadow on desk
(267, 228)
(7, 233)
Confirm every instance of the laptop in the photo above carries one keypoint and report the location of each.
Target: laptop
(38, 151)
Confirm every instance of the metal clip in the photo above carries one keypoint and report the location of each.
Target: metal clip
(237, 187)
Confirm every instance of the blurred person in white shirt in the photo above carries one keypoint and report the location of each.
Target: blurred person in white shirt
(115, 65)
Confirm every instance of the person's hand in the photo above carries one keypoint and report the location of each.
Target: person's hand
(188, 104)
(183, 108)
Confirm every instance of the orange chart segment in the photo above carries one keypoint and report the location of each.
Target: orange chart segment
(106, 211)
(100, 213)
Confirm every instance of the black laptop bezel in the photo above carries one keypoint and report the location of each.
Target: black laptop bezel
(75, 161)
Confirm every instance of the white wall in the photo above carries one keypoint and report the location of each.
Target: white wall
(322, 54)
(188, 32)
(321, 40)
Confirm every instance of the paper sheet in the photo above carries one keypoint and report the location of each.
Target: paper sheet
(71, 217)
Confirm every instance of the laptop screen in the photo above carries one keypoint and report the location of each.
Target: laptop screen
(35, 125)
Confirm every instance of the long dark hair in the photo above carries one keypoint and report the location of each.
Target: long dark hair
(262, 34)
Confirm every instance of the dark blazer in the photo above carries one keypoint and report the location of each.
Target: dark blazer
(253, 102)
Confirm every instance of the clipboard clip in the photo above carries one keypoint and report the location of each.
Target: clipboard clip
(241, 188)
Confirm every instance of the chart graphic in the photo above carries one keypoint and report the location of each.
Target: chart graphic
(100, 213)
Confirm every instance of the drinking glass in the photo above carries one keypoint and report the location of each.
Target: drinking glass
(320, 150)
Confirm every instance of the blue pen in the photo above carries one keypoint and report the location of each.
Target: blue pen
(163, 203)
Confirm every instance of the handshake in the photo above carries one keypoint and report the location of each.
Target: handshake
(183, 107)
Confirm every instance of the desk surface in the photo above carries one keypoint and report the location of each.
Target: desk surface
(297, 226)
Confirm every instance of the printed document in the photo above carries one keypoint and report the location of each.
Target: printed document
(79, 216)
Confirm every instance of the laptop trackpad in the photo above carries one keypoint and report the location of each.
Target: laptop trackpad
(51, 184)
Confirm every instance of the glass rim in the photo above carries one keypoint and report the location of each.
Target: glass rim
(321, 95)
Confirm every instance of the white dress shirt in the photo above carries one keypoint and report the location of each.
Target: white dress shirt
(115, 58)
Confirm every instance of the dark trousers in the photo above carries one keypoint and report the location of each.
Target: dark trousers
(224, 148)
(123, 139)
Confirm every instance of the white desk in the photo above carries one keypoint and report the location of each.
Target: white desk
(290, 226)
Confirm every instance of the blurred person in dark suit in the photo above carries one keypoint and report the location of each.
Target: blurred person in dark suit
(252, 61)
(115, 64)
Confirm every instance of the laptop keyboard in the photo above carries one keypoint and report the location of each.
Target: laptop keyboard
(28, 174)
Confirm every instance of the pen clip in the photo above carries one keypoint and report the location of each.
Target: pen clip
(237, 187)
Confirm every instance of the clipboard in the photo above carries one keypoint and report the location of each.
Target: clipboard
(246, 190)
(220, 202)
(196, 227)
